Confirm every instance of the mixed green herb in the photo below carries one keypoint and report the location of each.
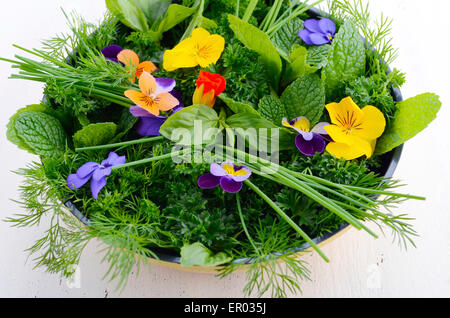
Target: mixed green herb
(151, 203)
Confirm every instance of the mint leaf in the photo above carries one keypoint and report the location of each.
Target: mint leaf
(258, 41)
(318, 56)
(42, 133)
(199, 255)
(305, 97)
(346, 59)
(95, 135)
(129, 13)
(192, 125)
(285, 38)
(237, 107)
(298, 66)
(413, 116)
(272, 109)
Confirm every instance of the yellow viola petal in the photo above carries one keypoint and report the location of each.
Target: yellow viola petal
(372, 125)
(357, 150)
(175, 59)
(345, 114)
(340, 135)
(147, 84)
(146, 66)
(210, 50)
(303, 124)
(166, 101)
(143, 101)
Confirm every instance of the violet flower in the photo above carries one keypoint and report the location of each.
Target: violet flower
(149, 124)
(111, 52)
(229, 176)
(95, 172)
(318, 32)
(309, 141)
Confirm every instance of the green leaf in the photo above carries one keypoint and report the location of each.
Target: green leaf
(95, 135)
(198, 255)
(413, 116)
(152, 9)
(258, 41)
(129, 13)
(346, 59)
(11, 132)
(318, 56)
(298, 67)
(174, 16)
(287, 37)
(251, 125)
(42, 133)
(272, 109)
(305, 97)
(237, 107)
(196, 124)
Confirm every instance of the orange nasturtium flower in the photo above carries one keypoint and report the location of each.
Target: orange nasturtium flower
(209, 86)
(152, 97)
(130, 58)
(201, 48)
(354, 130)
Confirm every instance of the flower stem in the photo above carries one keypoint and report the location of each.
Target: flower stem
(121, 144)
(148, 160)
(286, 218)
(241, 216)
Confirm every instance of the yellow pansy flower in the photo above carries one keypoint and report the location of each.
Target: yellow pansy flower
(201, 48)
(354, 130)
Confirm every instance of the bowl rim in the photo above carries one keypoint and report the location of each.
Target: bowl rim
(164, 257)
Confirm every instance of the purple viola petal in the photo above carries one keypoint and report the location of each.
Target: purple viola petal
(111, 52)
(74, 182)
(164, 85)
(243, 177)
(327, 26)
(87, 169)
(313, 25)
(101, 173)
(308, 136)
(137, 111)
(112, 160)
(320, 128)
(217, 170)
(177, 109)
(310, 148)
(319, 38)
(305, 36)
(150, 126)
(208, 181)
(229, 185)
(97, 186)
(177, 95)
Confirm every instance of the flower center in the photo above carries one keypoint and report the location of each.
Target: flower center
(231, 171)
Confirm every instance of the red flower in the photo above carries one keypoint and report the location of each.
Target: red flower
(209, 86)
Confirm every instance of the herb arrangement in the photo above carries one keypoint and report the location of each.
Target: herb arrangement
(230, 133)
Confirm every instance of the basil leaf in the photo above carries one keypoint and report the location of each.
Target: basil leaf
(42, 133)
(285, 38)
(237, 107)
(193, 125)
(251, 125)
(298, 67)
(174, 16)
(129, 13)
(95, 135)
(271, 108)
(346, 59)
(258, 41)
(152, 9)
(199, 255)
(305, 97)
(413, 116)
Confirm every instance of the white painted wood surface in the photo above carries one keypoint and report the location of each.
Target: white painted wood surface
(360, 266)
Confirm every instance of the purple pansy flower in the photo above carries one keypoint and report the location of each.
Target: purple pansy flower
(229, 176)
(95, 172)
(318, 32)
(149, 124)
(309, 141)
(110, 52)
